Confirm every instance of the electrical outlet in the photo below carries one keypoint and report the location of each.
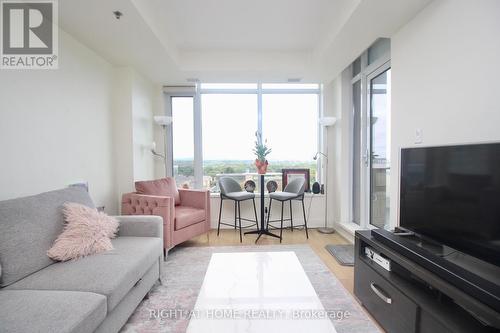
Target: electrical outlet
(419, 135)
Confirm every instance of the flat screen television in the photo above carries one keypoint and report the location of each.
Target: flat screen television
(451, 194)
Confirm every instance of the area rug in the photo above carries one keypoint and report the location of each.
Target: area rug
(344, 254)
(169, 304)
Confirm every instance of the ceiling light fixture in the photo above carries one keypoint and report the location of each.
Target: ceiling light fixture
(117, 14)
(294, 79)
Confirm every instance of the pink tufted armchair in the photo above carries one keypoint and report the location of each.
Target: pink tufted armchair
(185, 215)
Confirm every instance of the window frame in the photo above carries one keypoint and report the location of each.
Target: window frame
(197, 149)
(198, 120)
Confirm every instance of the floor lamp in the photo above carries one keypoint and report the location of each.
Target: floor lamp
(326, 122)
(163, 121)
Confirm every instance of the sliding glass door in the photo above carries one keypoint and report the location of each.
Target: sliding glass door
(371, 129)
(379, 145)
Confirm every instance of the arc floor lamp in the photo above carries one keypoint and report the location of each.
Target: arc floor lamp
(326, 122)
(162, 121)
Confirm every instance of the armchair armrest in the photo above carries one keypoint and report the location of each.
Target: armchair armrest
(195, 198)
(140, 226)
(140, 204)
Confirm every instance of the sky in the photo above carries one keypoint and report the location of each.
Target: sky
(229, 123)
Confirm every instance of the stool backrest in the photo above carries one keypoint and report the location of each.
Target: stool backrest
(296, 186)
(228, 185)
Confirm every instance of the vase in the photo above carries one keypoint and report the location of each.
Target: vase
(261, 166)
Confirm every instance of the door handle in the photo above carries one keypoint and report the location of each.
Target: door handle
(365, 157)
(380, 293)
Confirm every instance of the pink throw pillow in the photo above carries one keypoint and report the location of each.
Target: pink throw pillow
(86, 232)
(165, 187)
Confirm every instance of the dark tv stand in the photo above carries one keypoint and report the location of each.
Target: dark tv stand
(413, 298)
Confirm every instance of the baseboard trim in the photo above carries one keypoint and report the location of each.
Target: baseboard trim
(344, 232)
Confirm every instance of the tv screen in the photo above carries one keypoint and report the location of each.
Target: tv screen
(452, 194)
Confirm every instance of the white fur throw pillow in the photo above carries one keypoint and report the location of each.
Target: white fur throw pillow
(86, 232)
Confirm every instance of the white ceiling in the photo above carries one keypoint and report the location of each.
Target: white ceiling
(258, 25)
(234, 40)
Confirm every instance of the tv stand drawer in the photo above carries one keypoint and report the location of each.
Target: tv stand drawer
(393, 310)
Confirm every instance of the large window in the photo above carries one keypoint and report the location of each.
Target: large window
(289, 123)
(286, 115)
(229, 126)
(216, 137)
(183, 141)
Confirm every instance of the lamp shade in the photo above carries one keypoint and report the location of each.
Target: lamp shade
(163, 120)
(327, 121)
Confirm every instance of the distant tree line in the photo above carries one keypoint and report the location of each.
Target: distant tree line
(215, 167)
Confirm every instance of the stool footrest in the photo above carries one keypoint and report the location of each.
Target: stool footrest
(237, 226)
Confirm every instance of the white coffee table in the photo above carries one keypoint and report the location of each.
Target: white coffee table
(258, 292)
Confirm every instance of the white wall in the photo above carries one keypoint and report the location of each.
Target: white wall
(84, 122)
(445, 72)
(123, 135)
(337, 97)
(143, 103)
(331, 108)
(159, 134)
(134, 104)
(56, 126)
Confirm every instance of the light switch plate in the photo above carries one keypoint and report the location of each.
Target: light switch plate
(419, 135)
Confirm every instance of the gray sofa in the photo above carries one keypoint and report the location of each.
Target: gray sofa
(94, 294)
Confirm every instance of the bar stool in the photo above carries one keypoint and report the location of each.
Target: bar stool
(294, 190)
(231, 190)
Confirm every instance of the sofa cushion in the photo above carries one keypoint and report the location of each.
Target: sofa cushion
(111, 274)
(23, 311)
(29, 226)
(164, 187)
(186, 216)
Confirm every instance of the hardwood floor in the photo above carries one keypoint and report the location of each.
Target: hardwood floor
(317, 241)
